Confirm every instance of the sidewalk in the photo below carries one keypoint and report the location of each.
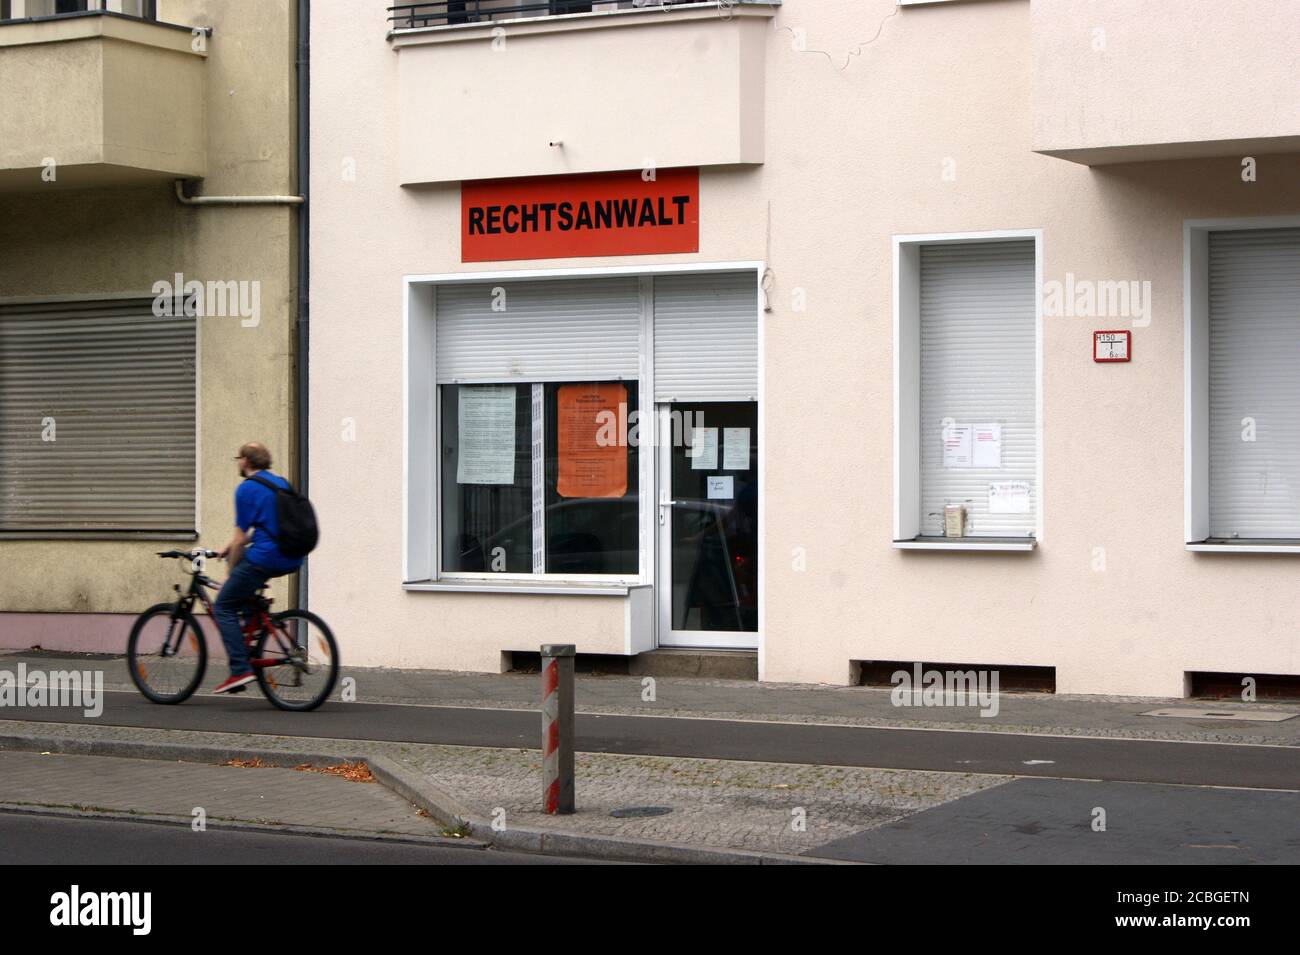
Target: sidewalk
(720, 809)
(1037, 713)
(218, 794)
(732, 810)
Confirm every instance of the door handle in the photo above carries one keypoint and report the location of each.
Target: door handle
(664, 504)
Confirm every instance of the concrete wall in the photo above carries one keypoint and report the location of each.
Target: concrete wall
(879, 121)
(520, 99)
(97, 94)
(1116, 81)
(64, 241)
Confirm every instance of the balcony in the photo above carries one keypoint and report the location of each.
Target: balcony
(458, 12)
(1122, 81)
(491, 90)
(98, 99)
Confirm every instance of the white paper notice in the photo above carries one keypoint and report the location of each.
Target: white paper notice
(735, 449)
(1009, 497)
(703, 451)
(987, 450)
(486, 419)
(721, 488)
(957, 446)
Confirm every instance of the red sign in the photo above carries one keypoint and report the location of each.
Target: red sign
(614, 213)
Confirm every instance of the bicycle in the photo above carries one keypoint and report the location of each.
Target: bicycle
(293, 653)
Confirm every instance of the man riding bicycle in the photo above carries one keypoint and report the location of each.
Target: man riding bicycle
(253, 556)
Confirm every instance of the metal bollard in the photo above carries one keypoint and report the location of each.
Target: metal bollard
(557, 727)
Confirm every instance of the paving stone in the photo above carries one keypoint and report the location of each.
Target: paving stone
(268, 796)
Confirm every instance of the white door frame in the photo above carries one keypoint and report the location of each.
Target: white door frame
(665, 636)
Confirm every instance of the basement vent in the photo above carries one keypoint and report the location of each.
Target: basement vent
(1021, 679)
(1230, 686)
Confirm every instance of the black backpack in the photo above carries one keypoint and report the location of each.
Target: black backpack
(296, 517)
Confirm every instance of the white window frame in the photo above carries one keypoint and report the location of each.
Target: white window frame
(421, 475)
(907, 391)
(1196, 382)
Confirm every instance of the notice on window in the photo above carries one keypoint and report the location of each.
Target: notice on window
(592, 457)
(735, 449)
(957, 441)
(1009, 497)
(485, 417)
(986, 449)
(703, 451)
(721, 488)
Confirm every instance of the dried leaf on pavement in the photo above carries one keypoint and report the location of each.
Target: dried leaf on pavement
(357, 772)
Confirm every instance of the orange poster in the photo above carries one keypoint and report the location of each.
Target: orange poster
(592, 446)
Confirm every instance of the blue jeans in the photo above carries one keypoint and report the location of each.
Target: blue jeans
(242, 584)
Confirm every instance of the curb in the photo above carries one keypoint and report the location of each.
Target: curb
(417, 790)
(179, 752)
(615, 849)
(238, 825)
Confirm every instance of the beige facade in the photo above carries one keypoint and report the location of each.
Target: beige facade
(124, 108)
(839, 128)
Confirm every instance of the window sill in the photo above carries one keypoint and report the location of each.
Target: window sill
(1281, 546)
(569, 22)
(519, 587)
(1008, 544)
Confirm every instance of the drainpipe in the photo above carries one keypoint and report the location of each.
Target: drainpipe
(301, 326)
(235, 200)
(303, 341)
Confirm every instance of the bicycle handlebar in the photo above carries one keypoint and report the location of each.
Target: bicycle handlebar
(197, 552)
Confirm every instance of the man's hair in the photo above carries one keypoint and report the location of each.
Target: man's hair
(256, 455)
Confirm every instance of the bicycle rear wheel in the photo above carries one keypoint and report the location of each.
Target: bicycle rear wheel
(166, 654)
(297, 661)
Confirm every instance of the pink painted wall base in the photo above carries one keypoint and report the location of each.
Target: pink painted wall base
(82, 632)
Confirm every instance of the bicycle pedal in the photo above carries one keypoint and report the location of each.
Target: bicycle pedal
(237, 689)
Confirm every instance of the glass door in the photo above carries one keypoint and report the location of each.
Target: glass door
(708, 525)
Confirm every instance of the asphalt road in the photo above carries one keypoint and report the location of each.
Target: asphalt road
(27, 839)
(1064, 822)
(1117, 760)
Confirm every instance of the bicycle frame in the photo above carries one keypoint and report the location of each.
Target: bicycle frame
(256, 618)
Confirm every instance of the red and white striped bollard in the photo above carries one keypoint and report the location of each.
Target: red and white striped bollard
(557, 728)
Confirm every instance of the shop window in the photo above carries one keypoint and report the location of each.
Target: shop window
(487, 480)
(524, 418)
(966, 392)
(97, 420)
(1243, 395)
(540, 479)
(538, 398)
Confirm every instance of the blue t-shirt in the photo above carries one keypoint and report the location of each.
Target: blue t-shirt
(255, 507)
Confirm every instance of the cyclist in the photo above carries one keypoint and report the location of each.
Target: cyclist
(253, 556)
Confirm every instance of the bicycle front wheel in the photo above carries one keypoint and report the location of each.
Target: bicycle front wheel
(297, 661)
(166, 654)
